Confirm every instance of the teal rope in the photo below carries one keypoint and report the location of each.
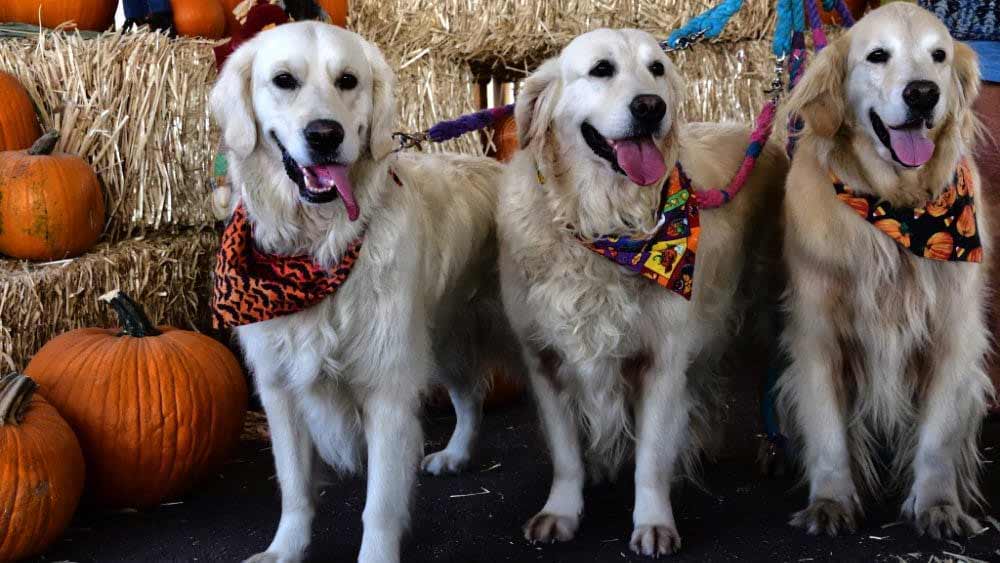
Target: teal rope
(829, 5)
(783, 28)
(709, 23)
(798, 9)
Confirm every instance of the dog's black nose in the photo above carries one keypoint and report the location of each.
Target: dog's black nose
(324, 135)
(648, 109)
(921, 95)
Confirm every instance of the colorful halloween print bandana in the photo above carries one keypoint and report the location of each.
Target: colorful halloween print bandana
(668, 256)
(252, 286)
(944, 229)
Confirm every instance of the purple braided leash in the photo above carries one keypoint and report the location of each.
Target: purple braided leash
(816, 24)
(447, 130)
(846, 19)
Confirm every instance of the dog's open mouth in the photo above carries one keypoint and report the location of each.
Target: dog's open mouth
(321, 183)
(908, 143)
(636, 157)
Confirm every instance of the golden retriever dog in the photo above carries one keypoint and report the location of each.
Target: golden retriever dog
(613, 357)
(886, 346)
(306, 111)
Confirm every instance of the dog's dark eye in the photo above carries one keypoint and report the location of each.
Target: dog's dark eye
(285, 81)
(603, 69)
(939, 55)
(656, 69)
(878, 56)
(347, 81)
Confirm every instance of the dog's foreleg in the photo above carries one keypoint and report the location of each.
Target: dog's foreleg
(468, 402)
(946, 463)
(662, 425)
(560, 517)
(395, 442)
(293, 459)
(809, 389)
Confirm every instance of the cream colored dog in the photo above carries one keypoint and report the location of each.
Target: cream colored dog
(613, 357)
(886, 347)
(306, 112)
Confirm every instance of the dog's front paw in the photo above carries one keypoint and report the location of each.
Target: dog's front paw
(825, 515)
(549, 528)
(945, 521)
(444, 462)
(271, 557)
(655, 540)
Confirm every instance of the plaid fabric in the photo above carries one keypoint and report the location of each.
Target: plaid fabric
(968, 19)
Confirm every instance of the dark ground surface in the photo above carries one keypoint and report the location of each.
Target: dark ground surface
(742, 517)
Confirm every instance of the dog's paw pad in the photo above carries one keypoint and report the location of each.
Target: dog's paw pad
(946, 521)
(654, 541)
(443, 462)
(825, 516)
(549, 528)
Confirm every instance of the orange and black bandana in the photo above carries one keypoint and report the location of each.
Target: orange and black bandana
(252, 286)
(944, 229)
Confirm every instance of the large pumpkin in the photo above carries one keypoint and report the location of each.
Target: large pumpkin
(18, 122)
(336, 9)
(92, 15)
(155, 408)
(41, 470)
(199, 18)
(51, 204)
(232, 24)
(505, 138)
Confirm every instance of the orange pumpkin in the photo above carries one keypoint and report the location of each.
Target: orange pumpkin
(337, 10)
(90, 15)
(18, 122)
(967, 221)
(939, 246)
(199, 18)
(941, 205)
(232, 24)
(155, 408)
(505, 138)
(976, 254)
(51, 204)
(859, 204)
(894, 229)
(41, 470)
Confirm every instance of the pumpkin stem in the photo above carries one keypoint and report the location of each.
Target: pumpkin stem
(15, 394)
(131, 316)
(45, 144)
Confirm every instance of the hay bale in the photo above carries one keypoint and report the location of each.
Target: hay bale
(519, 34)
(134, 106)
(169, 274)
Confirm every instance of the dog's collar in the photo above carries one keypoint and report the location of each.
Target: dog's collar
(667, 257)
(944, 229)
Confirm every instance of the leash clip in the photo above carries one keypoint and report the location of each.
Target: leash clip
(777, 83)
(409, 140)
(683, 42)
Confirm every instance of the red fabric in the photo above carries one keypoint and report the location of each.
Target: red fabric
(259, 17)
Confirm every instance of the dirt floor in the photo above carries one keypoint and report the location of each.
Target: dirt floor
(477, 517)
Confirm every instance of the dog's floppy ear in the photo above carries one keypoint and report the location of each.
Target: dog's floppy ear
(819, 96)
(380, 142)
(536, 101)
(965, 76)
(231, 102)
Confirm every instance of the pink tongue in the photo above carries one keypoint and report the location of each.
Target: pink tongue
(337, 175)
(640, 159)
(911, 146)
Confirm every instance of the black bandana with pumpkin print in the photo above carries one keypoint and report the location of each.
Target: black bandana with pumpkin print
(944, 229)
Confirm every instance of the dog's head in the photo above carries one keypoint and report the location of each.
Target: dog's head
(897, 78)
(315, 96)
(609, 101)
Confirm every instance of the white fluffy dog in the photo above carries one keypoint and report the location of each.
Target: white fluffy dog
(886, 346)
(614, 357)
(306, 110)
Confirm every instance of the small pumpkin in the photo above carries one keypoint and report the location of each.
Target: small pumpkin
(41, 470)
(942, 204)
(199, 18)
(939, 246)
(859, 204)
(89, 15)
(336, 9)
(18, 122)
(155, 408)
(894, 229)
(51, 204)
(967, 221)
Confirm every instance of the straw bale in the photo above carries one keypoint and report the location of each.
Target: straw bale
(134, 106)
(169, 274)
(521, 33)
